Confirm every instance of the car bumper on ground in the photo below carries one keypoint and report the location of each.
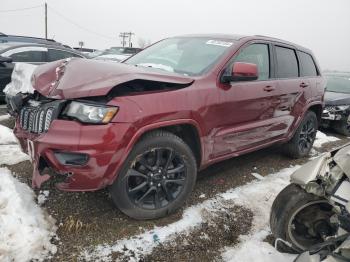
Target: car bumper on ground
(334, 116)
(85, 157)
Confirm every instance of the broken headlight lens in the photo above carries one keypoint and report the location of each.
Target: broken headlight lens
(94, 114)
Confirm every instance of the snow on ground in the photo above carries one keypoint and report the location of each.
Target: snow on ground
(322, 138)
(10, 151)
(257, 196)
(25, 229)
(21, 79)
(43, 196)
(4, 117)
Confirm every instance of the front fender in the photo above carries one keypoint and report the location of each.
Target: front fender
(311, 170)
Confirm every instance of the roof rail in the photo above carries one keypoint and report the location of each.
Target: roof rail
(33, 37)
(3, 34)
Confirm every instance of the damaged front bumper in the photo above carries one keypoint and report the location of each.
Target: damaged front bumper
(335, 113)
(83, 157)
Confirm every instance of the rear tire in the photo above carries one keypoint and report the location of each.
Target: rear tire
(343, 126)
(301, 143)
(290, 202)
(148, 185)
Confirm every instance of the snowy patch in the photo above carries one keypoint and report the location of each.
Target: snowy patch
(21, 79)
(322, 138)
(257, 196)
(257, 176)
(4, 117)
(254, 249)
(10, 151)
(25, 229)
(42, 197)
(7, 136)
(11, 155)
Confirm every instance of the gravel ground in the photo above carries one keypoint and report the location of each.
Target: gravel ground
(88, 219)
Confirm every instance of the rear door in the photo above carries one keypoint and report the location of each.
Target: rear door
(291, 89)
(309, 74)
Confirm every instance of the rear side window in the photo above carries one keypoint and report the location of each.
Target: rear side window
(307, 65)
(29, 56)
(287, 63)
(55, 55)
(256, 54)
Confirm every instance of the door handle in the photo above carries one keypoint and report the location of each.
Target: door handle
(303, 85)
(269, 88)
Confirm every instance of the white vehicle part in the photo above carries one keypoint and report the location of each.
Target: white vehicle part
(342, 158)
(311, 170)
(20, 80)
(342, 194)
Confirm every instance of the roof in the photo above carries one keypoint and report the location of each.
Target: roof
(10, 45)
(237, 37)
(215, 35)
(26, 39)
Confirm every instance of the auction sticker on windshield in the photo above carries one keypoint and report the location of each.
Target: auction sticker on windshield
(219, 43)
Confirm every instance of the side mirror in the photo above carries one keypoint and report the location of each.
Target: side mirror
(242, 72)
(5, 59)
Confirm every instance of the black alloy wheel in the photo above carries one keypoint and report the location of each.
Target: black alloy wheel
(307, 136)
(156, 178)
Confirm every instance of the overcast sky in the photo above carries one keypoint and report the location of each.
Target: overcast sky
(321, 25)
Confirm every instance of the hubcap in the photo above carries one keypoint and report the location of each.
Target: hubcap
(310, 224)
(156, 178)
(307, 136)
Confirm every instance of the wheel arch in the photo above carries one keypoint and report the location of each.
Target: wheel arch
(187, 129)
(317, 109)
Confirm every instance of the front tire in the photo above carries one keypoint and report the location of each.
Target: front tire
(300, 218)
(301, 143)
(156, 178)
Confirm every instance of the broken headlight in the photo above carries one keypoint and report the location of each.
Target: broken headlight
(88, 113)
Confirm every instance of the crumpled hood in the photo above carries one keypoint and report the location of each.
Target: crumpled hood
(78, 78)
(337, 99)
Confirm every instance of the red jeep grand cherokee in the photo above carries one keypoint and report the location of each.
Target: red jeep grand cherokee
(144, 127)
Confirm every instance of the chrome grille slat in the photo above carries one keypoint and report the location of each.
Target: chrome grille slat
(35, 119)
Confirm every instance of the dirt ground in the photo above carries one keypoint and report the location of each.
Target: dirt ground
(88, 219)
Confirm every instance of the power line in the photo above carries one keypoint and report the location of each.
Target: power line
(20, 9)
(77, 25)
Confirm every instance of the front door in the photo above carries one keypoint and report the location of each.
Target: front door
(247, 108)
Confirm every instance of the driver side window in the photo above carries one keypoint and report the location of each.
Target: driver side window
(256, 54)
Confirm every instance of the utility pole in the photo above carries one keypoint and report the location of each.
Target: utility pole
(130, 34)
(46, 20)
(123, 35)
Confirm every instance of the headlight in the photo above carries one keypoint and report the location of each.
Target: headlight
(94, 114)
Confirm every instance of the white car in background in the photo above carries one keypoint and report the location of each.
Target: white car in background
(115, 54)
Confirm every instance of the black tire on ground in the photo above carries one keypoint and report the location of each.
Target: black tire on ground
(288, 201)
(342, 126)
(120, 190)
(295, 147)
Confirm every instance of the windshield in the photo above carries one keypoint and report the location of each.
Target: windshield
(339, 83)
(184, 55)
